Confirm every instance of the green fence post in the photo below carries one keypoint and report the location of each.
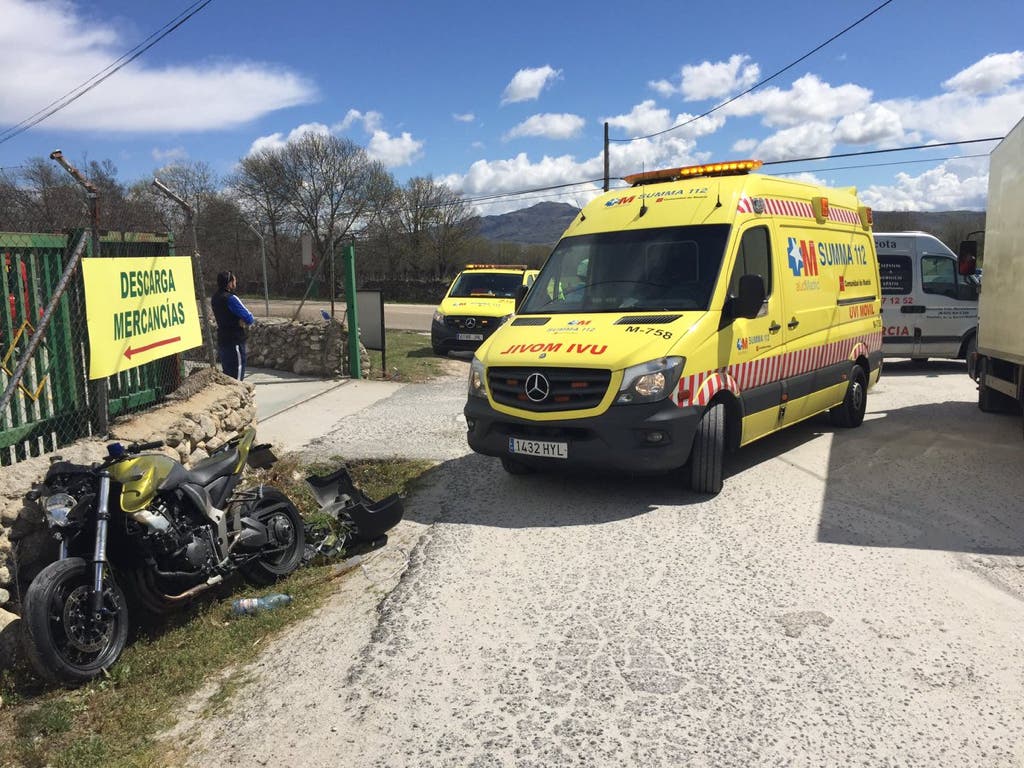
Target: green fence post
(354, 362)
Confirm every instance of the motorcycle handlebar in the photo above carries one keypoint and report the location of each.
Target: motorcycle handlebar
(140, 447)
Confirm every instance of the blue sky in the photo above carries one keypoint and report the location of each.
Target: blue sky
(495, 98)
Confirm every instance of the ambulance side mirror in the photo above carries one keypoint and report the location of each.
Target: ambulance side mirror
(520, 295)
(751, 295)
(967, 257)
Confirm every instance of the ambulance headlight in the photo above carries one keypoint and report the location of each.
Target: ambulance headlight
(651, 381)
(438, 317)
(476, 379)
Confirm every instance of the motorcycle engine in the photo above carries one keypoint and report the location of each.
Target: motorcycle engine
(178, 542)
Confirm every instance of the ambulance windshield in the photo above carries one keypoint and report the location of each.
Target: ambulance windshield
(502, 285)
(643, 270)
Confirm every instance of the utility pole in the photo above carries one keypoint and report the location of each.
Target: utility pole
(190, 219)
(606, 164)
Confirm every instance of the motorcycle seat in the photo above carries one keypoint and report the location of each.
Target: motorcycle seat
(221, 464)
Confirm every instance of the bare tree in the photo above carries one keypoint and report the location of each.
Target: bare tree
(259, 187)
(435, 226)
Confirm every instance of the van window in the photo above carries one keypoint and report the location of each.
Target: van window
(490, 284)
(939, 275)
(662, 269)
(753, 258)
(896, 273)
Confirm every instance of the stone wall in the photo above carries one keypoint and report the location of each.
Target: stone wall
(317, 348)
(208, 409)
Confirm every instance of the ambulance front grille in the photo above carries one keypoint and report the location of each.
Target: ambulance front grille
(548, 389)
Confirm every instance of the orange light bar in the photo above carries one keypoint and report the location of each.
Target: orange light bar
(731, 168)
(495, 266)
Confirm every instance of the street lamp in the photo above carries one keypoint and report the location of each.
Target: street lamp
(198, 278)
(263, 256)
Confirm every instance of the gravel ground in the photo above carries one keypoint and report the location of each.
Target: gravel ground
(850, 598)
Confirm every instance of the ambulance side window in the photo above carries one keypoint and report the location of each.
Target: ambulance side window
(753, 258)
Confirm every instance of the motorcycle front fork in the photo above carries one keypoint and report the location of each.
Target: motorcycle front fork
(99, 559)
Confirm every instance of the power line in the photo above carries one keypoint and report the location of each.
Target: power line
(882, 165)
(497, 197)
(882, 151)
(761, 82)
(76, 93)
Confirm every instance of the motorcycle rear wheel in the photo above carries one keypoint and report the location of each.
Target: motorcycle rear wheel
(285, 524)
(64, 643)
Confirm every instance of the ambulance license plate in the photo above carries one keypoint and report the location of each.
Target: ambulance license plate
(470, 337)
(538, 448)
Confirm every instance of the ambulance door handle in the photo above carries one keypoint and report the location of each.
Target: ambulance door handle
(774, 327)
(792, 324)
(912, 309)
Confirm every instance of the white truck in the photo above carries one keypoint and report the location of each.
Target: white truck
(929, 309)
(998, 365)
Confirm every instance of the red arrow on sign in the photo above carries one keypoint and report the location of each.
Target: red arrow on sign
(129, 352)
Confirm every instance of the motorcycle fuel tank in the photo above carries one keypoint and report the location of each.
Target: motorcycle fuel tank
(140, 477)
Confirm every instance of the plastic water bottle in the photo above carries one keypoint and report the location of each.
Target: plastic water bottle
(250, 605)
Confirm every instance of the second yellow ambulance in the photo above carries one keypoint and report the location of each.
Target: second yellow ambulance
(699, 310)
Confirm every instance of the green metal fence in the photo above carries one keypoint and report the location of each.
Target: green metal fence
(55, 403)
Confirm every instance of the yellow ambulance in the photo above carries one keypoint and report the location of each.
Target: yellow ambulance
(698, 310)
(479, 298)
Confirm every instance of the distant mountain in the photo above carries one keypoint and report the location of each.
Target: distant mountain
(540, 224)
(544, 223)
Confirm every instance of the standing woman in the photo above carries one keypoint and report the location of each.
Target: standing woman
(232, 321)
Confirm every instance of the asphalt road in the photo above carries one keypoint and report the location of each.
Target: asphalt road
(410, 317)
(850, 598)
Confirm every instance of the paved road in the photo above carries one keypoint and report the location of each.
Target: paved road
(850, 598)
(410, 317)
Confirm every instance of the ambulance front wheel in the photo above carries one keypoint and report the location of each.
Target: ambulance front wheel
(850, 412)
(708, 453)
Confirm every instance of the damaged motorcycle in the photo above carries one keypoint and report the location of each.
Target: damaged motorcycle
(167, 534)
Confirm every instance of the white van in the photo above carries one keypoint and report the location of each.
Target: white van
(928, 308)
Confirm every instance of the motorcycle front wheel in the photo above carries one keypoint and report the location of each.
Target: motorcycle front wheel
(64, 642)
(287, 534)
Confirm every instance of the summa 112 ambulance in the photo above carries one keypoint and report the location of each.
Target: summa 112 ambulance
(928, 308)
(479, 298)
(716, 306)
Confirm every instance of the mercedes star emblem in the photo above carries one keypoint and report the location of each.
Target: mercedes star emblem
(537, 387)
(471, 322)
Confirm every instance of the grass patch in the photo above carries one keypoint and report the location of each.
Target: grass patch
(112, 721)
(409, 358)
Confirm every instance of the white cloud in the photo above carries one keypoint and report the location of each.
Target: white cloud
(744, 146)
(875, 124)
(168, 156)
(468, 117)
(278, 140)
(960, 116)
(371, 120)
(950, 186)
(808, 99)
(394, 151)
(809, 139)
(645, 118)
(992, 73)
(711, 80)
(48, 45)
(527, 84)
(550, 126)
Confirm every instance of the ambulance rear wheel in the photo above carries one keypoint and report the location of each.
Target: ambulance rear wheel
(708, 453)
(850, 413)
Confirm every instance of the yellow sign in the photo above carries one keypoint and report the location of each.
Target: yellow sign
(138, 310)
